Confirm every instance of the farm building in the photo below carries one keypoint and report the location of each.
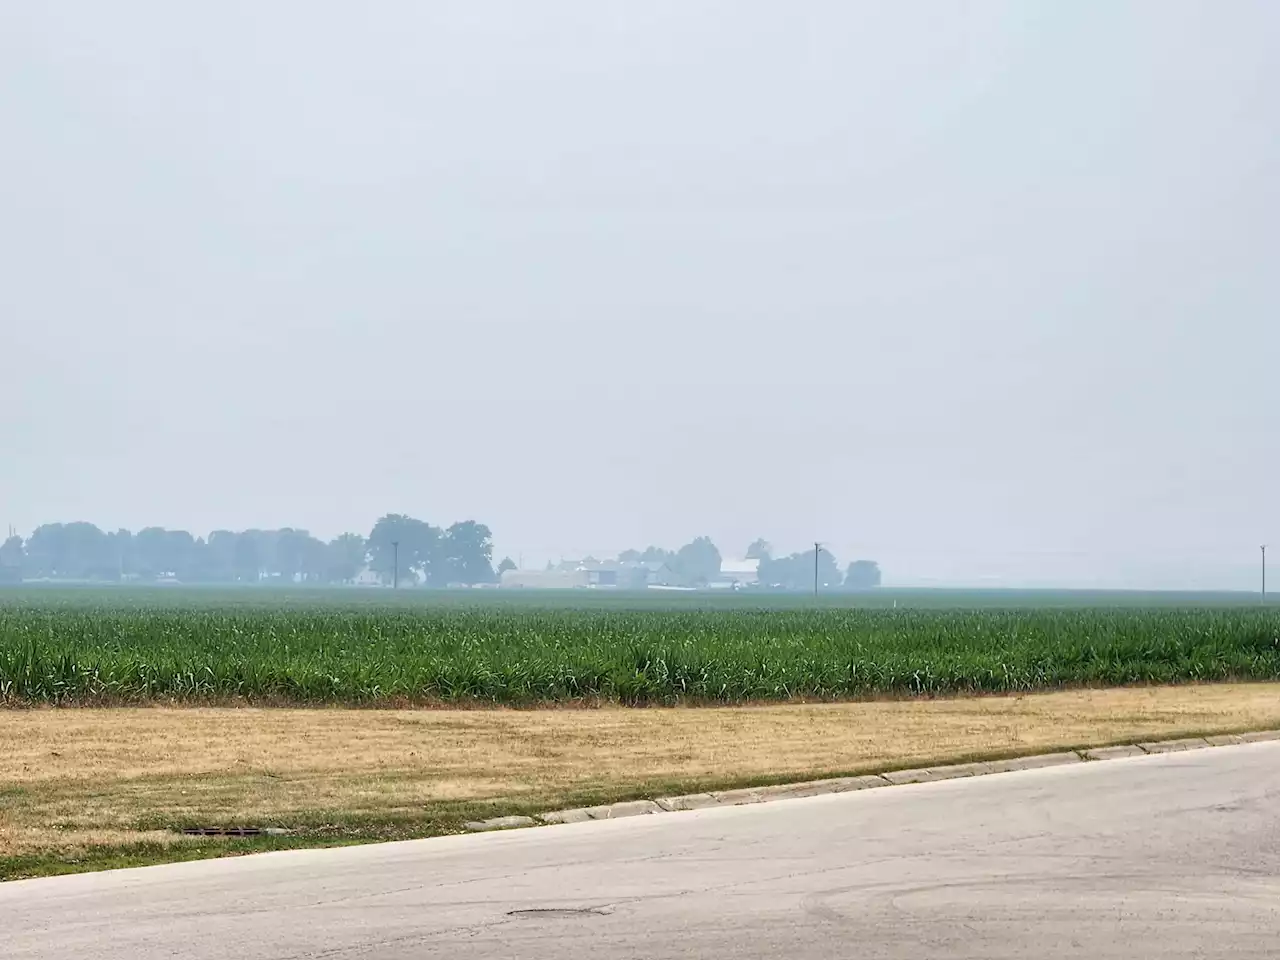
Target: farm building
(738, 573)
(543, 579)
(601, 574)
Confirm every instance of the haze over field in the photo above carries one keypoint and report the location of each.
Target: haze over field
(984, 291)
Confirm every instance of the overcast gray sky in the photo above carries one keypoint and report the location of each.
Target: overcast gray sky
(987, 291)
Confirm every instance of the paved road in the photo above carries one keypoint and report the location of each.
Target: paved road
(1166, 856)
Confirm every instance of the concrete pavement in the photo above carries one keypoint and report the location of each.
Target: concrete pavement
(1172, 855)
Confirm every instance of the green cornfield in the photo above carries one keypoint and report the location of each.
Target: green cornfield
(62, 648)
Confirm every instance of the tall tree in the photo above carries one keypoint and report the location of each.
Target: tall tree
(795, 572)
(419, 549)
(267, 546)
(314, 560)
(47, 551)
(468, 554)
(760, 549)
(120, 553)
(12, 556)
(506, 564)
(220, 555)
(829, 574)
(164, 553)
(862, 575)
(248, 562)
(777, 572)
(180, 547)
(347, 555)
(199, 567)
(291, 547)
(698, 561)
(87, 553)
(77, 551)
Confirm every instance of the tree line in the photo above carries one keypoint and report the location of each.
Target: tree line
(398, 547)
(795, 571)
(699, 562)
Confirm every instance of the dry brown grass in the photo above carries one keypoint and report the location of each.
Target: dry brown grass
(74, 779)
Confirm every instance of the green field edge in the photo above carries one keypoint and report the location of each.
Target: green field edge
(328, 829)
(480, 705)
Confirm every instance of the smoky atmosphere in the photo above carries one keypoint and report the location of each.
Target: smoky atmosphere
(515, 462)
(661, 294)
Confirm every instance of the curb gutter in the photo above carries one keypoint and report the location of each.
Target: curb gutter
(814, 788)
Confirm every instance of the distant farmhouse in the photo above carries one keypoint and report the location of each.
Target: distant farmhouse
(610, 574)
(626, 575)
(736, 574)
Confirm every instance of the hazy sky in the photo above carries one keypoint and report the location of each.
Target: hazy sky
(987, 291)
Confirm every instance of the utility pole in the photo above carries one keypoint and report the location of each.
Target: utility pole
(1264, 573)
(817, 550)
(395, 565)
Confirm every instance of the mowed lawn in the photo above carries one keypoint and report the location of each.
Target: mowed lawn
(87, 788)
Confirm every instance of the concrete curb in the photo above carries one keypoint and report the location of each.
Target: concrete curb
(814, 788)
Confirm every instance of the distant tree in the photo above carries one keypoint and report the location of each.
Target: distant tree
(81, 550)
(164, 553)
(87, 552)
(658, 555)
(780, 572)
(12, 557)
(862, 575)
(119, 551)
(468, 553)
(420, 553)
(247, 563)
(829, 574)
(760, 549)
(182, 552)
(795, 572)
(315, 561)
(698, 561)
(11, 552)
(148, 552)
(506, 564)
(629, 556)
(77, 551)
(221, 556)
(47, 554)
(292, 548)
(197, 569)
(266, 546)
(346, 558)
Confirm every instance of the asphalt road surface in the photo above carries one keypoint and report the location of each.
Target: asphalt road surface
(1166, 856)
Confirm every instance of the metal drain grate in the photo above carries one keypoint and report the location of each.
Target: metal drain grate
(234, 831)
